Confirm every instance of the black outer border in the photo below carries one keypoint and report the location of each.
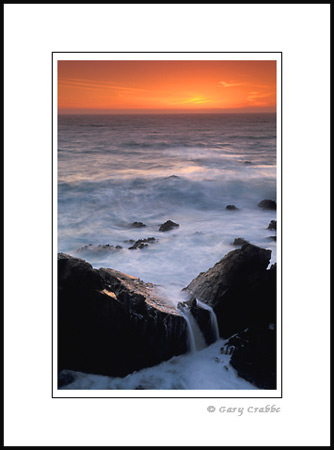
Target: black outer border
(52, 255)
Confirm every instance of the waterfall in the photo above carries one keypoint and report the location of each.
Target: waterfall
(213, 318)
(196, 338)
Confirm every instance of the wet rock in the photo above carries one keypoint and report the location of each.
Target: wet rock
(138, 225)
(173, 177)
(101, 248)
(272, 238)
(239, 241)
(239, 288)
(203, 319)
(231, 208)
(142, 243)
(267, 204)
(235, 341)
(111, 323)
(248, 162)
(254, 355)
(273, 267)
(272, 225)
(242, 292)
(169, 225)
(65, 378)
(76, 272)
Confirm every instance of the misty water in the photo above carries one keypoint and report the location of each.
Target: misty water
(119, 169)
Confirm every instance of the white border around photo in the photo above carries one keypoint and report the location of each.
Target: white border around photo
(31, 33)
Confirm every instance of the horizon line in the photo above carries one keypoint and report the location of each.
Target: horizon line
(160, 111)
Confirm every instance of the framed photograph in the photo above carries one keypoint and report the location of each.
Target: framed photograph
(167, 235)
(166, 225)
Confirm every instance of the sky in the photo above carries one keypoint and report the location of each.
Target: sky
(166, 86)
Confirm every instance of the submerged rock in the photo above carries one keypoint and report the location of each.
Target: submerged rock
(111, 323)
(267, 204)
(169, 225)
(101, 248)
(138, 225)
(142, 243)
(231, 208)
(173, 177)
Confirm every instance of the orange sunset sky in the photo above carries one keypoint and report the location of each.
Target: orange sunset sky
(166, 86)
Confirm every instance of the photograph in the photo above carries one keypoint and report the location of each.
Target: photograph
(166, 224)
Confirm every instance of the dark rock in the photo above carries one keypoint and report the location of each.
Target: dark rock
(239, 289)
(231, 208)
(101, 248)
(254, 355)
(242, 292)
(273, 267)
(77, 272)
(235, 341)
(129, 241)
(272, 238)
(169, 225)
(267, 204)
(239, 241)
(173, 177)
(111, 323)
(65, 378)
(248, 162)
(203, 319)
(142, 243)
(138, 225)
(272, 225)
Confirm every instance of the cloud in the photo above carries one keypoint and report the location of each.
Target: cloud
(227, 84)
(87, 84)
(193, 100)
(197, 100)
(256, 98)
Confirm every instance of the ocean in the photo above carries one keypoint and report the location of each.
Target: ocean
(115, 170)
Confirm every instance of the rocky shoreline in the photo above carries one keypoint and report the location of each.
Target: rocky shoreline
(112, 324)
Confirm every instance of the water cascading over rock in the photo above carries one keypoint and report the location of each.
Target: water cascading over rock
(242, 292)
(196, 338)
(239, 289)
(113, 324)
